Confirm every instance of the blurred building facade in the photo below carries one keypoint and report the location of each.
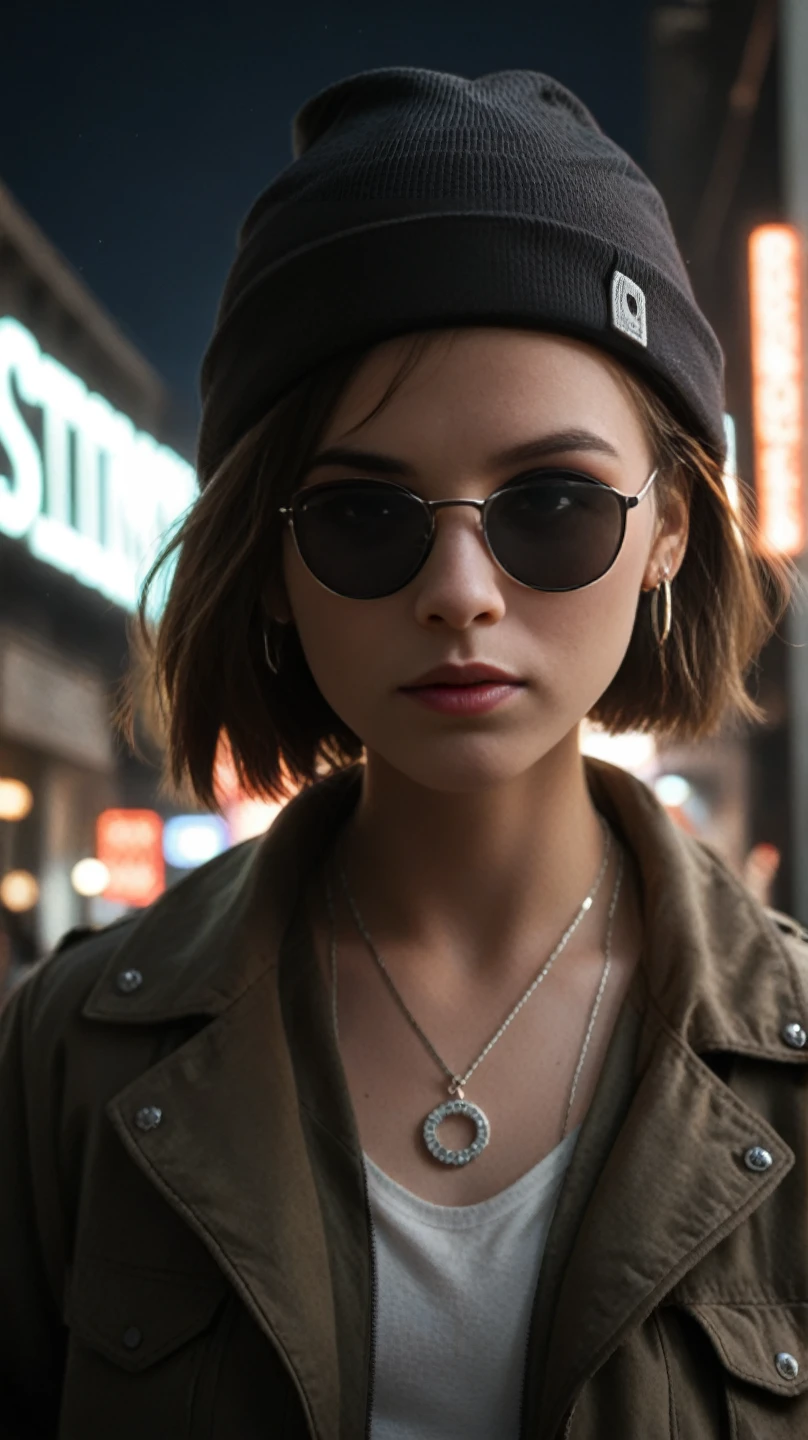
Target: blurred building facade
(91, 471)
(88, 480)
(728, 149)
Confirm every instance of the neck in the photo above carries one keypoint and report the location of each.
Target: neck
(476, 876)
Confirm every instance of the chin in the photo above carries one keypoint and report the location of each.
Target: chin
(465, 764)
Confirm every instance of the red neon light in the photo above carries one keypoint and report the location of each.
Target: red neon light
(130, 843)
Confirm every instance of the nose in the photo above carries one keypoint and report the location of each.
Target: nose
(460, 584)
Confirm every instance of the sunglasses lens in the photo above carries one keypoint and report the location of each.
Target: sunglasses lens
(362, 540)
(555, 532)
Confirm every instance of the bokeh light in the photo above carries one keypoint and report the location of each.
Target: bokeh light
(19, 891)
(16, 800)
(89, 877)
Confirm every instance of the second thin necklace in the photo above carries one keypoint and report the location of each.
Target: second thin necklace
(457, 1104)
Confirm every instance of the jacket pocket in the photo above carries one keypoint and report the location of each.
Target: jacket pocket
(762, 1350)
(138, 1339)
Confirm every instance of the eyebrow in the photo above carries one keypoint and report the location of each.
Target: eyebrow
(372, 463)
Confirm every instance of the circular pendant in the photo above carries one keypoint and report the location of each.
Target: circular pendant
(441, 1113)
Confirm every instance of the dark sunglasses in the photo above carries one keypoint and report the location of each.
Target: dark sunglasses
(553, 530)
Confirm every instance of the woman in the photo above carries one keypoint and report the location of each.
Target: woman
(471, 1100)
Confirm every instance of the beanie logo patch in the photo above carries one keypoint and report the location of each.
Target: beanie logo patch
(628, 308)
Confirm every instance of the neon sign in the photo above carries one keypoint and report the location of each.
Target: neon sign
(775, 292)
(80, 486)
(130, 844)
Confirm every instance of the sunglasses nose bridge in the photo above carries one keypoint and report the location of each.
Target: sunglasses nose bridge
(434, 505)
(449, 504)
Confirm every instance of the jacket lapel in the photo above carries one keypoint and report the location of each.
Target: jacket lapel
(715, 977)
(229, 1154)
(274, 1190)
(673, 1186)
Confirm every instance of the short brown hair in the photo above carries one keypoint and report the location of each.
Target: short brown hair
(205, 658)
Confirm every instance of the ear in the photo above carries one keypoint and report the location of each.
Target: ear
(670, 541)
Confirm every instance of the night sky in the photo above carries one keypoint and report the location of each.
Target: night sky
(137, 135)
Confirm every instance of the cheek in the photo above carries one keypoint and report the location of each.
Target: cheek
(582, 635)
(344, 641)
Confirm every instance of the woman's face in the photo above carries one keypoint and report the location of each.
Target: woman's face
(475, 393)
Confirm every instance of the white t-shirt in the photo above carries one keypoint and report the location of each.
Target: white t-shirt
(455, 1292)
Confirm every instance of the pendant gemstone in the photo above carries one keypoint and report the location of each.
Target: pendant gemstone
(437, 1116)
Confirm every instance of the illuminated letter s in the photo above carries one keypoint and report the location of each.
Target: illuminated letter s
(21, 490)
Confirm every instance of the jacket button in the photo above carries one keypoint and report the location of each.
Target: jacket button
(786, 1365)
(149, 1117)
(794, 1035)
(758, 1159)
(132, 1337)
(127, 981)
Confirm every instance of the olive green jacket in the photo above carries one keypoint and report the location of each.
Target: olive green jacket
(185, 1242)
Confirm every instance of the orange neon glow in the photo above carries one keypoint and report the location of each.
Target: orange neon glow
(247, 815)
(775, 294)
(130, 844)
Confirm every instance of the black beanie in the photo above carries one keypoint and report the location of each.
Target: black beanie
(418, 200)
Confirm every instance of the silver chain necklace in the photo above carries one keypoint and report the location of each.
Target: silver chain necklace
(457, 1104)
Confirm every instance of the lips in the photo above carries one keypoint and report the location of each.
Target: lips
(464, 690)
(475, 673)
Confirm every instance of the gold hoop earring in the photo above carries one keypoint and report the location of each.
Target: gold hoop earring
(664, 585)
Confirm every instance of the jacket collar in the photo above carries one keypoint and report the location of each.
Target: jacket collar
(208, 939)
(718, 970)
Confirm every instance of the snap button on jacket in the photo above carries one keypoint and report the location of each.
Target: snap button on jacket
(185, 1242)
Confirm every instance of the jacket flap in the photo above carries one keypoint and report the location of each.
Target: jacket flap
(135, 1315)
(749, 1337)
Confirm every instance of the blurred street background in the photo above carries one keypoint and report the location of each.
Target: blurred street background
(132, 142)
